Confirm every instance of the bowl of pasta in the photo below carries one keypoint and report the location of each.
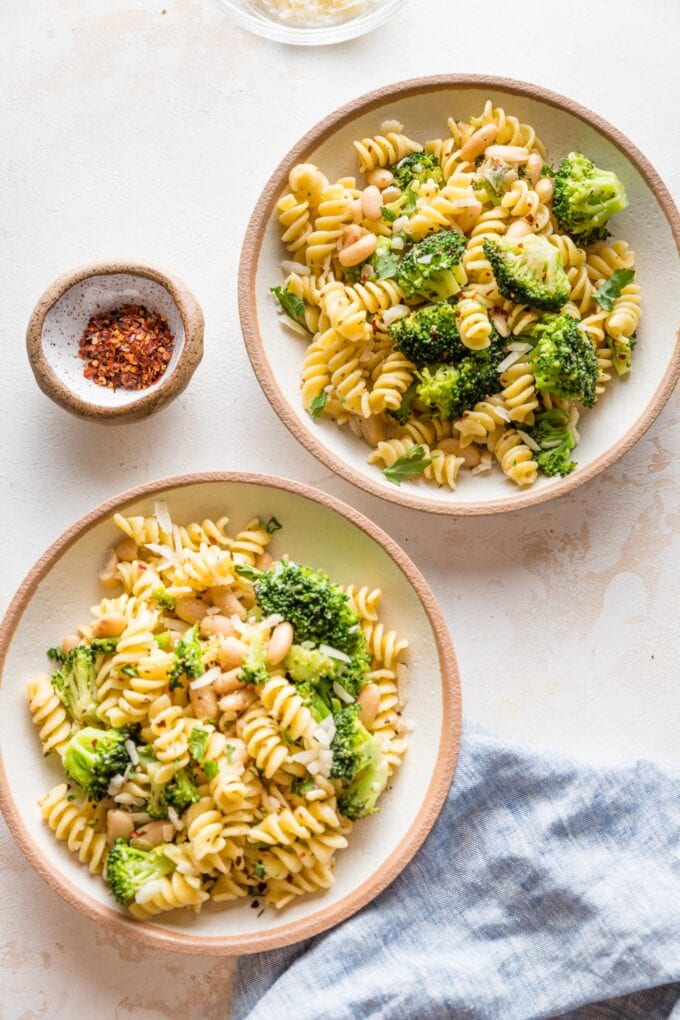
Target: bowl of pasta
(442, 293)
(224, 737)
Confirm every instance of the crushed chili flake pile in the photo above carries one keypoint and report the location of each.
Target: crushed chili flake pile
(128, 347)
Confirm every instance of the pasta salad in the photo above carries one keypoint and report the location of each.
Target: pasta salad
(463, 303)
(222, 719)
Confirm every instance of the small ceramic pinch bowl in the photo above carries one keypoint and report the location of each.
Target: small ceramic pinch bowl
(59, 320)
(317, 530)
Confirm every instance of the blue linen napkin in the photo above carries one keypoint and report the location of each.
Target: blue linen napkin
(546, 885)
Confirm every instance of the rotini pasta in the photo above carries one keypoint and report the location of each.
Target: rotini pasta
(468, 221)
(216, 737)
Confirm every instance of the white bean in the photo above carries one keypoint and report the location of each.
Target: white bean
(127, 550)
(204, 701)
(232, 653)
(356, 210)
(216, 745)
(477, 143)
(216, 626)
(534, 167)
(118, 823)
(470, 454)
(390, 194)
(357, 252)
(190, 609)
(264, 561)
(229, 682)
(380, 177)
(350, 234)
(152, 834)
(544, 189)
(371, 202)
(70, 641)
(111, 625)
(508, 153)
(280, 642)
(369, 699)
(372, 429)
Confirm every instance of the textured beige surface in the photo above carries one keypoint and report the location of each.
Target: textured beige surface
(138, 135)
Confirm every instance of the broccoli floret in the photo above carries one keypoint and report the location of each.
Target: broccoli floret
(359, 798)
(453, 389)
(431, 268)
(188, 662)
(128, 869)
(623, 349)
(317, 609)
(429, 334)
(157, 805)
(563, 359)
(198, 742)
(93, 757)
(585, 197)
(181, 791)
(254, 669)
(316, 696)
(308, 664)
(417, 166)
(352, 675)
(557, 437)
(528, 270)
(163, 599)
(76, 684)
(353, 747)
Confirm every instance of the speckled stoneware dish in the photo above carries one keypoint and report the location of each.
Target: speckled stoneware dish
(651, 225)
(59, 319)
(318, 530)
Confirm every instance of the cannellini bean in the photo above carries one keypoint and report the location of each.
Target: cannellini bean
(224, 599)
(369, 699)
(69, 642)
(110, 625)
(393, 314)
(152, 834)
(508, 153)
(228, 682)
(534, 166)
(357, 252)
(118, 823)
(264, 561)
(204, 701)
(470, 454)
(477, 143)
(544, 189)
(236, 702)
(372, 429)
(371, 202)
(469, 216)
(280, 642)
(190, 609)
(350, 234)
(356, 210)
(518, 229)
(216, 626)
(232, 653)
(239, 751)
(391, 193)
(216, 745)
(380, 177)
(108, 578)
(127, 550)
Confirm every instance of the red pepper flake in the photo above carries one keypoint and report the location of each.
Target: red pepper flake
(127, 347)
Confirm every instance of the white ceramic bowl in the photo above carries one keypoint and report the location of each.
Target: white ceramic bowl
(62, 313)
(317, 530)
(651, 225)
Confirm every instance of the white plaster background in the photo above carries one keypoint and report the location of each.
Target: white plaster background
(132, 133)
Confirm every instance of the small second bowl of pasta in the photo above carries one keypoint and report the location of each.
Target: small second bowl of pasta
(455, 292)
(229, 713)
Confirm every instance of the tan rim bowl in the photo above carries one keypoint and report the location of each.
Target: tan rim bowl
(651, 225)
(61, 314)
(317, 529)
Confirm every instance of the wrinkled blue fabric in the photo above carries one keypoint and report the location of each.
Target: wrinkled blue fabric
(547, 888)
